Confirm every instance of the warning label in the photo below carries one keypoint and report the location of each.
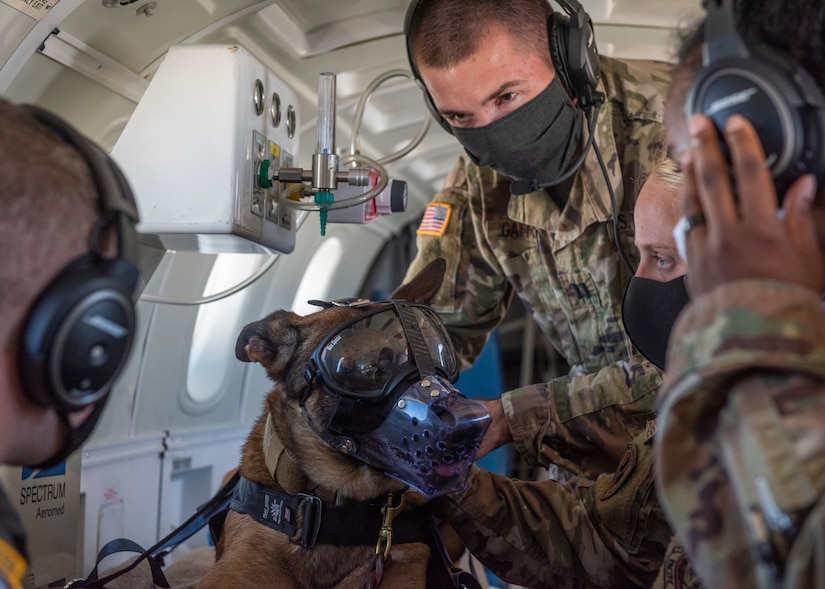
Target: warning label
(36, 9)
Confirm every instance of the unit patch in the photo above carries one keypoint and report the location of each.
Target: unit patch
(435, 220)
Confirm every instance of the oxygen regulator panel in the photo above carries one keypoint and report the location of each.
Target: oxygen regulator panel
(211, 118)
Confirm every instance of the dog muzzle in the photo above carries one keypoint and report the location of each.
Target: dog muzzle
(392, 370)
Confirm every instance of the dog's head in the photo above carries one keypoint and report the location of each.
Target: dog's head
(365, 389)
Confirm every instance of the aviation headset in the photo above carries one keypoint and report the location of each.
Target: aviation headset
(769, 88)
(572, 47)
(79, 331)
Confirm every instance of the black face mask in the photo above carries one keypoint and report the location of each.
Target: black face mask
(535, 142)
(649, 310)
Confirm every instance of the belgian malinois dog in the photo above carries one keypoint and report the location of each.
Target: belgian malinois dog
(310, 510)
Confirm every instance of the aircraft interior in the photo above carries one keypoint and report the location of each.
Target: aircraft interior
(217, 111)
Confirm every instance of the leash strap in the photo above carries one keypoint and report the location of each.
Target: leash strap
(122, 545)
(373, 579)
(440, 569)
(154, 555)
(301, 517)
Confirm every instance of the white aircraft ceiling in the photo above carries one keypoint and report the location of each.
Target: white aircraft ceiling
(356, 39)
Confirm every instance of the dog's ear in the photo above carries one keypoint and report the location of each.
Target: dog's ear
(424, 285)
(268, 340)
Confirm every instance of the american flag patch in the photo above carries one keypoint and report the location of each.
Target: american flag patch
(435, 219)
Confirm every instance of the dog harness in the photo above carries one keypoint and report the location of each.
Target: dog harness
(308, 521)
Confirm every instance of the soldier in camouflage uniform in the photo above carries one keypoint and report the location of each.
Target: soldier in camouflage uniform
(556, 248)
(740, 450)
(557, 547)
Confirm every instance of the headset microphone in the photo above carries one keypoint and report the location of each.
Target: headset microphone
(773, 91)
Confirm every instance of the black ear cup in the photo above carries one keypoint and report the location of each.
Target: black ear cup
(572, 47)
(783, 102)
(574, 51)
(78, 333)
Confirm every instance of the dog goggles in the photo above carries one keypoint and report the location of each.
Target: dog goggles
(366, 357)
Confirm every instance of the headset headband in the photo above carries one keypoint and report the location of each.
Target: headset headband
(117, 202)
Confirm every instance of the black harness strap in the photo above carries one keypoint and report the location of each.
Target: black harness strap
(351, 525)
(309, 521)
(300, 517)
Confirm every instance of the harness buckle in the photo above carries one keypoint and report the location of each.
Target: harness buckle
(312, 520)
(351, 302)
(385, 535)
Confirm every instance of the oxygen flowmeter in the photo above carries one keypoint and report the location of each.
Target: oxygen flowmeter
(326, 174)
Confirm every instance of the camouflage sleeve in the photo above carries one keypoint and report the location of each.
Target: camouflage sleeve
(583, 423)
(469, 316)
(609, 532)
(740, 452)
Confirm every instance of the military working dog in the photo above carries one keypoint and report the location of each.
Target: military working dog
(331, 472)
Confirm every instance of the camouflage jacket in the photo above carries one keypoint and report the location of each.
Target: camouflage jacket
(557, 253)
(595, 530)
(609, 532)
(740, 451)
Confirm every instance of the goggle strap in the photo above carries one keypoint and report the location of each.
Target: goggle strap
(419, 352)
(341, 443)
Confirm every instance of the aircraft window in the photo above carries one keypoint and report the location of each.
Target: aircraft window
(213, 339)
(317, 280)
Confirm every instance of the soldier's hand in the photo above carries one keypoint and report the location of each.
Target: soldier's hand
(498, 434)
(745, 238)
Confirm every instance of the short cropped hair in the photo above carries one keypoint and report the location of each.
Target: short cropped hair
(48, 205)
(446, 32)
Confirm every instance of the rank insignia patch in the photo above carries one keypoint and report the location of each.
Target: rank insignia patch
(435, 220)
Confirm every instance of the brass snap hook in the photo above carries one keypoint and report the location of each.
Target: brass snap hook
(385, 535)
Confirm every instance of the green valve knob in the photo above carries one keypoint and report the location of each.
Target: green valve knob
(263, 175)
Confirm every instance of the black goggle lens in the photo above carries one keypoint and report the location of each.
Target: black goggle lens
(362, 356)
